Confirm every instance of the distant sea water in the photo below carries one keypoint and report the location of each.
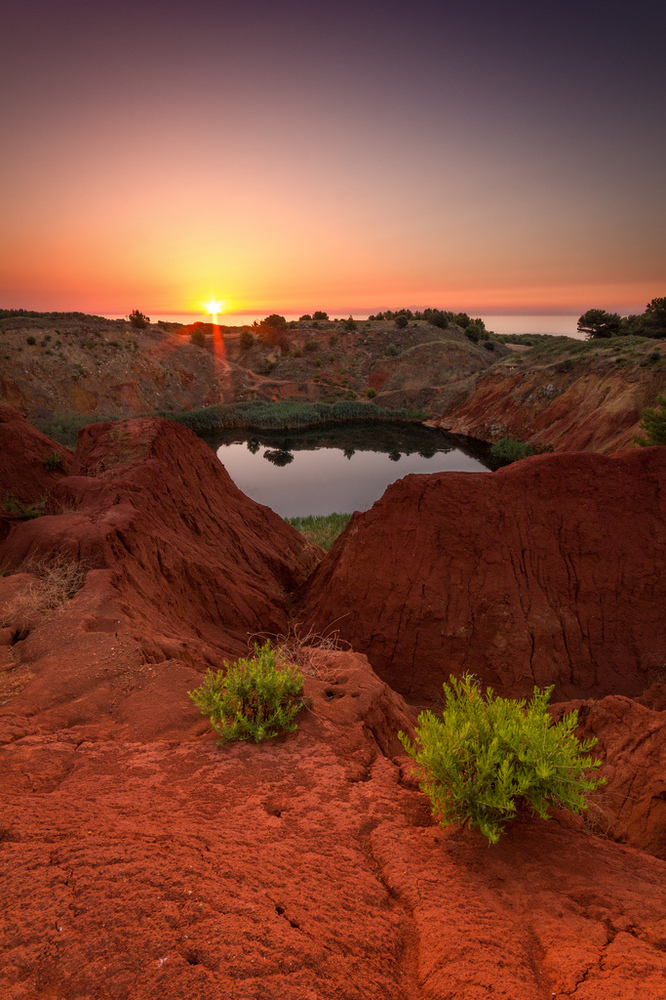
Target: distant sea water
(557, 325)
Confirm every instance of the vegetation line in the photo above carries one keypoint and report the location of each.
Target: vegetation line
(287, 415)
(321, 529)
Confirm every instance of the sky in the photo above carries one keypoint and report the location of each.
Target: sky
(346, 156)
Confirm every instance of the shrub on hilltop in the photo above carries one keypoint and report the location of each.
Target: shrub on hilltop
(488, 757)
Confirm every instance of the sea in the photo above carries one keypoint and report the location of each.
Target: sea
(557, 324)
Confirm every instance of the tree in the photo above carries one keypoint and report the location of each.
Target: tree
(319, 315)
(598, 324)
(655, 318)
(653, 422)
(138, 319)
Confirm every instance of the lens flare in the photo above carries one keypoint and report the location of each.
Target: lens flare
(213, 307)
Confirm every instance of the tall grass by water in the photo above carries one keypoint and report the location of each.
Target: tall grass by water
(321, 529)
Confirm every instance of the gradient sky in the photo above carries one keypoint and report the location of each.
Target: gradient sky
(487, 156)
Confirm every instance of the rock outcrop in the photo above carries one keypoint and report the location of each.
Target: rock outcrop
(30, 464)
(550, 571)
(570, 406)
(180, 568)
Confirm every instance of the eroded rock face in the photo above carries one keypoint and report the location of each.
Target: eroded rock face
(550, 571)
(631, 806)
(564, 407)
(28, 464)
(180, 567)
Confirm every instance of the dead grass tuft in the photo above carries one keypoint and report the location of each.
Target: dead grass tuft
(58, 581)
(303, 647)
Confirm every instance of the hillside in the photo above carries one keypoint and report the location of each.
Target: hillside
(103, 368)
(561, 395)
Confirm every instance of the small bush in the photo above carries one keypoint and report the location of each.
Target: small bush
(401, 322)
(52, 461)
(508, 450)
(653, 423)
(393, 350)
(138, 319)
(319, 315)
(350, 324)
(12, 505)
(488, 344)
(245, 340)
(31, 341)
(255, 699)
(59, 579)
(198, 337)
(487, 757)
(371, 393)
(297, 352)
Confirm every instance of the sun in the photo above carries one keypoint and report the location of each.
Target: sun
(213, 307)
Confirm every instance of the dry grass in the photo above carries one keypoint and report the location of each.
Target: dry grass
(303, 647)
(58, 580)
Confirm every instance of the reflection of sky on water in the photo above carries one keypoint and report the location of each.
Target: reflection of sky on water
(324, 481)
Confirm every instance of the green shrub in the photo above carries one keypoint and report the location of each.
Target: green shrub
(488, 344)
(508, 450)
(13, 505)
(371, 393)
(255, 699)
(487, 757)
(31, 341)
(350, 324)
(319, 314)
(401, 322)
(245, 340)
(198, 337)
(653, 423)
(393, 350)
(138, 319)
(52, 461)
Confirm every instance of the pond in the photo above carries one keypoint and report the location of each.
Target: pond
(338, 469)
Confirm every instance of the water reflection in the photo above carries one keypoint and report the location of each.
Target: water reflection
(342, 468)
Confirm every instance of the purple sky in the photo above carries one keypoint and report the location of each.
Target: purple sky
(491, 156)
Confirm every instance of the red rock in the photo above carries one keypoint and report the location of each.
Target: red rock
(631, 807)
(139, 860)
(23, 475)
(181, 569)
(550, 571)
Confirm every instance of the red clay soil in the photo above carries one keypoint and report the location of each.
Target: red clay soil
(631, 806)
(23, 475)
(550, 571)
(141, 861)
(577, 408)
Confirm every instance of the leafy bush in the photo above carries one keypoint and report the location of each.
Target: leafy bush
(52, 461)
(401, 322)
(31, 341)
(489, 756)
(138, 319)
(393, 350)
(245, 340)
(255, 699)
(488, 344)
(198, 337)
(350, 324)
(653, 423)
(13, 505)
(319, 315)
(508, 450)
(371, 393)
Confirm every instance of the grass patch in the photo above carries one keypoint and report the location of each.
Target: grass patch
(322, 529)
(287, 415)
